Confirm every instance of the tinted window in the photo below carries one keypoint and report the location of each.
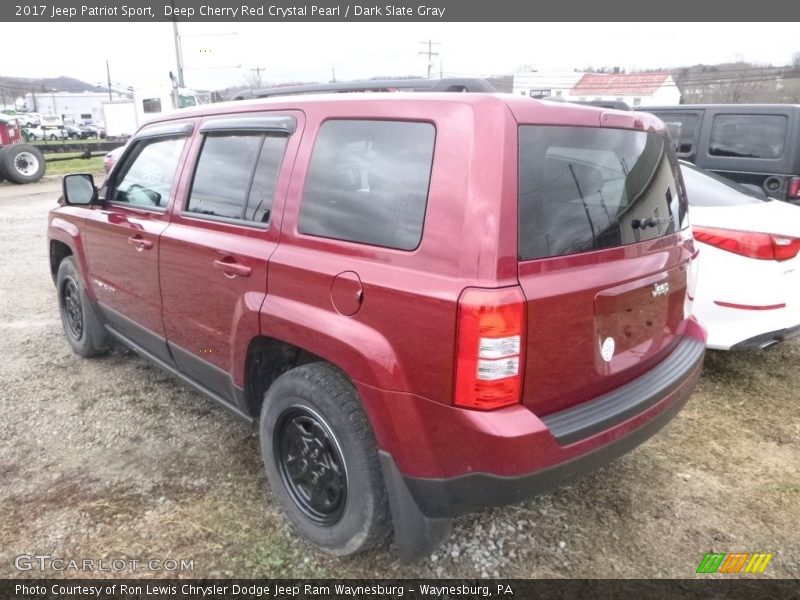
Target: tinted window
(707, 189)
(262, 191)
(151, 105)
(583, 189)
(748, 136)
(236, 175)
(687, 126)
(147, 174)
(368, 182)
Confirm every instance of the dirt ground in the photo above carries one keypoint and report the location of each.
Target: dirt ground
(111, 458)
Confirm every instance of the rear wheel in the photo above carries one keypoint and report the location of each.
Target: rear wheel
(322, 461)
(22, 163)
(84, 332)
(3, 175)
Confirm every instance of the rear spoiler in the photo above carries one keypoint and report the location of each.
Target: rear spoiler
(473, 85)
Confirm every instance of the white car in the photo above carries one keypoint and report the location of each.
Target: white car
(748, 286)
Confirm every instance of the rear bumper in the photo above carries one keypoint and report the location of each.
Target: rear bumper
(458, 495)
(506, 458)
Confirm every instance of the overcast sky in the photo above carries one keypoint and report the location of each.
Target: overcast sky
(221, 55)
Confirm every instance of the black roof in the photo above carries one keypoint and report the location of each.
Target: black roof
(375, 85)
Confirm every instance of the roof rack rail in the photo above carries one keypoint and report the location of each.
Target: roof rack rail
(376, 85)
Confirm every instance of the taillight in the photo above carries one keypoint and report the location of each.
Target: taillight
(490, 348)
(794, 188)
(764, 246)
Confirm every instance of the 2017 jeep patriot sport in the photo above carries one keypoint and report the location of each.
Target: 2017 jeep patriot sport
(429, 303)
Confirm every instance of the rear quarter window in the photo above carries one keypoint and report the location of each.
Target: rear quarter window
(585, 188)
(686, 126)
(748, 136)
(368, 182)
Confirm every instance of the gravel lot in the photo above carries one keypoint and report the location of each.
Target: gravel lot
(112, 458)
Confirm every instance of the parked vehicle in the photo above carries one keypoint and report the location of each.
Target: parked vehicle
(748, 293)
(45, 133)
(19, 163)
(79, 132)
(91, 131)
(122, 118)
(429, 303)
(757, 144)
(111, 158)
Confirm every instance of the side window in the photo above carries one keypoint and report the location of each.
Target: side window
(748, 136)
(146, 177)
(236, 176)
(368, 182)
(685, 130)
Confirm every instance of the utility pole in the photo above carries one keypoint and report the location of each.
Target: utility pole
(258, 74)
(108, 74)
(178, 53)
(333, 73)
(430, 53)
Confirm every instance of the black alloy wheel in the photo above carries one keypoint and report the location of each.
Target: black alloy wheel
(73, 311)
(311, 465)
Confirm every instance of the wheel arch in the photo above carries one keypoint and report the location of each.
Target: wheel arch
(65, 239)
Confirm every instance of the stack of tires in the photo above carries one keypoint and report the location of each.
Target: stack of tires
(21, 163)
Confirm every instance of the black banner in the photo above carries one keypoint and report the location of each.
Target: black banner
(416, 589)
(395, 11)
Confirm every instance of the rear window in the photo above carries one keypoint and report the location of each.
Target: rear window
(368, 182)
(584, 189)
(748, 136)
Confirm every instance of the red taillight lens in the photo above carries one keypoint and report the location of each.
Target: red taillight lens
(490, 348)
(794, 188)
(763, 246)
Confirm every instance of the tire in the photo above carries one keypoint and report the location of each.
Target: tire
(84, 332)
(53, 136)
(22, 163)
(322, 460)
(3, 175)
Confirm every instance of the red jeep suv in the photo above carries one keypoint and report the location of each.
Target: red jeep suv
(428, 303)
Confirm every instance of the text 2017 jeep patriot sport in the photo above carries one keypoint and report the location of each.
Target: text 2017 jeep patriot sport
(428, 303)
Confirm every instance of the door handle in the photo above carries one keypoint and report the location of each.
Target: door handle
(140, 243)
(232, 269)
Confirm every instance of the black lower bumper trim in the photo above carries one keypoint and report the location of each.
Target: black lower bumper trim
(588, 418)
(450, 497)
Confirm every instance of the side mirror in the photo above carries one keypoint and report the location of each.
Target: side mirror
(79, 189)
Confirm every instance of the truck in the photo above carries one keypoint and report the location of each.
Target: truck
(122, 118)
(19, 163)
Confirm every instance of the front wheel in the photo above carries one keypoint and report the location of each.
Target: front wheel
(322, 461)
(84, 332)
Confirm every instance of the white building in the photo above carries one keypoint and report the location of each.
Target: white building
(83, 106)
(546, 84)
(635, 89)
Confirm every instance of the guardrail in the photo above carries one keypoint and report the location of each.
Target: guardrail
(74, 147)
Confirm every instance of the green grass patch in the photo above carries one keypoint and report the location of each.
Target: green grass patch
(75, 165)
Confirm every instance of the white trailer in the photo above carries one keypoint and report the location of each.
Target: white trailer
(120, 118)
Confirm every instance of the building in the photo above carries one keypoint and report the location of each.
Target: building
(546, 84)
(635, 89)
(83, 106)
